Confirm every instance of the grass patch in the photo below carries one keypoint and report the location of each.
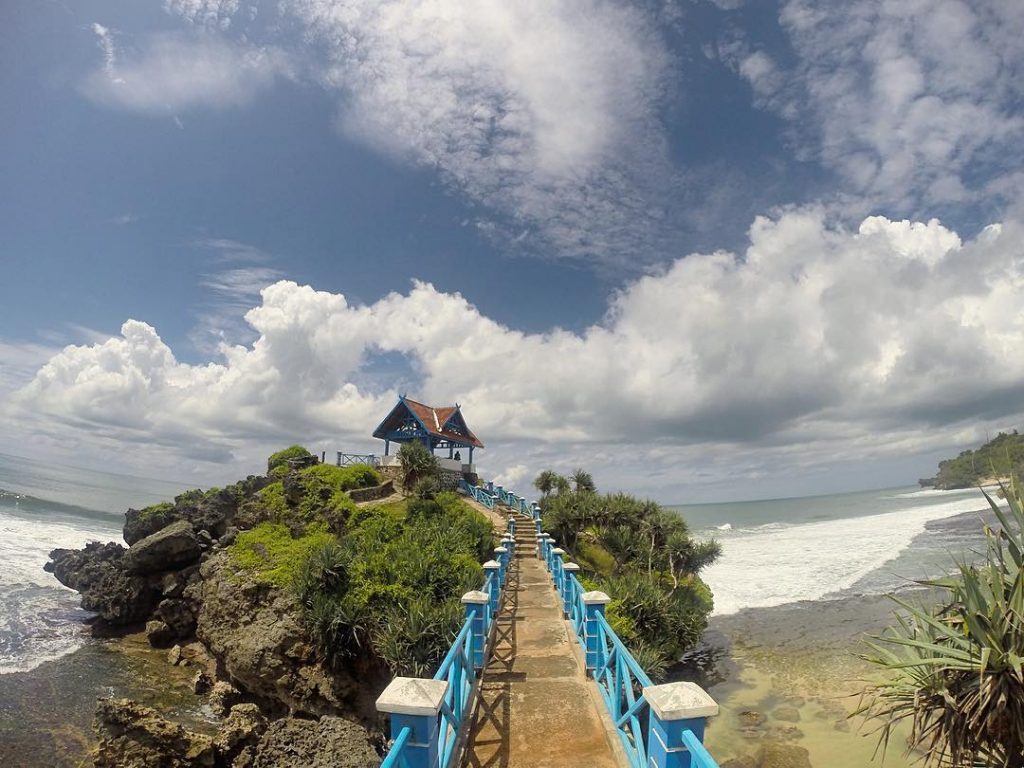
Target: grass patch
(272, 555)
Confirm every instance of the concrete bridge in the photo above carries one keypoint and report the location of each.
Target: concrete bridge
(537, 677)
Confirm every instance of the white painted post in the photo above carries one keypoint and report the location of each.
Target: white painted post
(415, 703)
(675, 708)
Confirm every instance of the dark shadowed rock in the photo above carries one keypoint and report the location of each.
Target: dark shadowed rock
(133, 736)
(159, 634)
(178, 615)
(243, 728)
(330, 742)
(169, 548)
(97, 572)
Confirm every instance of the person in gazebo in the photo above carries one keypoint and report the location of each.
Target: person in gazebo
(458, 456)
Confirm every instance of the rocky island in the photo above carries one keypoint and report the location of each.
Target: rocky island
(293, 604)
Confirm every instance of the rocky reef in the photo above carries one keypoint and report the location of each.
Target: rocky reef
(275, 701)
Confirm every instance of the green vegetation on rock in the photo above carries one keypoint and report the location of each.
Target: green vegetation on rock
(642, 556)
(280, 459)
(1000, 457)
(273, 555)
(404, 567)
(315, 493)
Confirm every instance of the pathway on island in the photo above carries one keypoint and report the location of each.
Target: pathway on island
(535, 708)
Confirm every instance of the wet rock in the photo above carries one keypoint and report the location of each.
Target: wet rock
(783, 756)
(747, 761)
(169, 548)
(159, 634)
(787, 714)
(133, 736)
(330, 742)
(751, 718)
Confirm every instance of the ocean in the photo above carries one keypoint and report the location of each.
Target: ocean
(799, 583)
(43, 507)
(784, 551)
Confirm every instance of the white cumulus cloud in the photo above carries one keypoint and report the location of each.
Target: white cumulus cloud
(816, 342)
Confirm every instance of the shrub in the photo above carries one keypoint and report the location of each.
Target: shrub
(955, 670)
(281, 457)
(426, 488)
(417, 462)
(272, 555)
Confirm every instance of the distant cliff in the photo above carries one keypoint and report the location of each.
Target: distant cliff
(998, 458)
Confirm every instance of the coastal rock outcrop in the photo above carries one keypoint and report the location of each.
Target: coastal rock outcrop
(98, 573)
(212, 511)
(171, 547)
(134, 736)
(255, 632)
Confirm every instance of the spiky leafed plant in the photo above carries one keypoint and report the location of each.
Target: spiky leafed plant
(546, 482)
(417, 462)
(957, 671)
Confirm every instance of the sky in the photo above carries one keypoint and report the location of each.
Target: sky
(706, 249)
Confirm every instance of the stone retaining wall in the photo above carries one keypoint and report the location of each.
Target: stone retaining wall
(372, 494)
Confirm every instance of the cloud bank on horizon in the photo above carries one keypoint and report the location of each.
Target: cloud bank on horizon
(854, 322)
(815, 340)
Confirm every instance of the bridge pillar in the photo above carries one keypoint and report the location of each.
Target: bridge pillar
(593, 604)
(493, 568)
(542, 552)
(501, 555)
(567, 596)
(477, 606)
(675, 708)
(556, 567)
(415, 703)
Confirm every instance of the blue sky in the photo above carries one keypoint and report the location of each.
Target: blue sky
(708, 249)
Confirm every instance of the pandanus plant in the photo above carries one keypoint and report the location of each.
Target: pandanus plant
(956, 671)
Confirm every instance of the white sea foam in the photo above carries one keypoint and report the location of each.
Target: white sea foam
(779, 563)
(724, 527)
(39, 619)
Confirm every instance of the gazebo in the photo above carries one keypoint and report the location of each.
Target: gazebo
(434, 427)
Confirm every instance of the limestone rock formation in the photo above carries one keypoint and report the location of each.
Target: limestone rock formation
(331, 742)
(171, 547)
(255, 632)
(134, 736)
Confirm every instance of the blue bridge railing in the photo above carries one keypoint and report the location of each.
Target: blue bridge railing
(659, 726)
(429, 718)
(481, 495)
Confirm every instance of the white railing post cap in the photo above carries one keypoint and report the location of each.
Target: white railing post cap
(412, 696)
(571, 567)
(596, 598)
(475, 596)
(500, 550)
(491, 565)
(680, 701)
(557, 551)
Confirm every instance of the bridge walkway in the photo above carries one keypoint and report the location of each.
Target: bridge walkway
(535, 708)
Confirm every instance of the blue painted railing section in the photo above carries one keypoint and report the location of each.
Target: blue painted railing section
(460, 669)
(480, 495)
(620, 678)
